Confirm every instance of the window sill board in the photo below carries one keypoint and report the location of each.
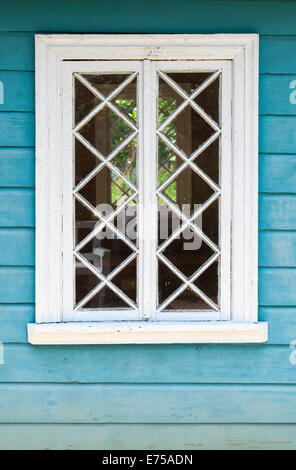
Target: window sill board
(147, 332)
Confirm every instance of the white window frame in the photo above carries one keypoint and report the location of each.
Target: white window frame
(54, 54)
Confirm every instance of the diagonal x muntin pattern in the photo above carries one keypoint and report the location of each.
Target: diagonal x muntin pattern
(188, 162)
(105, 162)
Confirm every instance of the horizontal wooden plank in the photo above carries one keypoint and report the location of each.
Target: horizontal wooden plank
(17, 167)
(277, 94)
(277, 53)
(14, 319)
(277, 134)
(214, 364)
(281, 324)
(147, 436)
(277, 286)
(145, 403)
(17, 129)
(277, 173)
(153, 17)
(277, 249)
(13, 322)
(277, 212)
(17, 285)
(18, 91)
(16, 50)
(17, 207)
(17, 247)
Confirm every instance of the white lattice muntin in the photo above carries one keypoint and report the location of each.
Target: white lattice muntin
(232, 60)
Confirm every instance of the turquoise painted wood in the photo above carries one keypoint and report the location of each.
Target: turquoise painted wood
(277, 173)
(17, 247)
(277, 212)
(152, 17)
(17, 207)
(277, 249)
(147, 436)
(17, 285)
(277, 286)
(277, 94)
(148, 403)
(277, 134)
(18, 90)
(17, 129)
(17, 167)
(13, 322)
(175, 363)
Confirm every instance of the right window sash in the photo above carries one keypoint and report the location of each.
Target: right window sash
(191, 170)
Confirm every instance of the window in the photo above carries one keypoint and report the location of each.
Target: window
(146, 189)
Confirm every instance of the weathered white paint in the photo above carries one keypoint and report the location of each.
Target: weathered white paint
(241, 53)
(147, 332)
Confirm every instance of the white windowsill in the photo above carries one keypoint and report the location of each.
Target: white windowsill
(147, 332)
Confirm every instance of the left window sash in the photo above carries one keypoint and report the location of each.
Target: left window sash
(75, 258)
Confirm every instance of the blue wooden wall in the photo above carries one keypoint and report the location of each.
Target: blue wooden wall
(162, 396)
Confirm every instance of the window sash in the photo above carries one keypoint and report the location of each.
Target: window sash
(147, 209)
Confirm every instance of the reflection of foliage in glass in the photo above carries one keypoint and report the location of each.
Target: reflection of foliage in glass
(125, 160)
(167, 160)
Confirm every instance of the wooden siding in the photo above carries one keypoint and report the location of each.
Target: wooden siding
(181, 396)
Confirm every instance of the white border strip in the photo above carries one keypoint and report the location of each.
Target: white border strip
(147, 332)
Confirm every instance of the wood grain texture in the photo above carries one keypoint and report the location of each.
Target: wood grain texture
(277, 249)
(277, 134)
(277, 173)
(145, 403)
(277, 286)
(14, 319)
(17, 285)
(17, 167)
(17, 208)
(215, 364)
(17, 247)
(147, 436)
(275, 94)
(18, 91)
(17, 129)
(277, 212)
(13, 322)
(152, 17)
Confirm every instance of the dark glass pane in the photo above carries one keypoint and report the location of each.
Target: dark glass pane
(86, 281)
(188, 253)
(209, 222)
(207, 282)
(126, 280)
(188, 131)
(208, 161)
(189, 81)
(208, 100)
(168, 282)
(106, 83)
(85, 161)
(188, 300)
(188, 191)
(107, 191)
(106, 299)
(85, 101)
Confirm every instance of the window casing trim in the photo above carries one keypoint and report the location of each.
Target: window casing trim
(51, 52)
